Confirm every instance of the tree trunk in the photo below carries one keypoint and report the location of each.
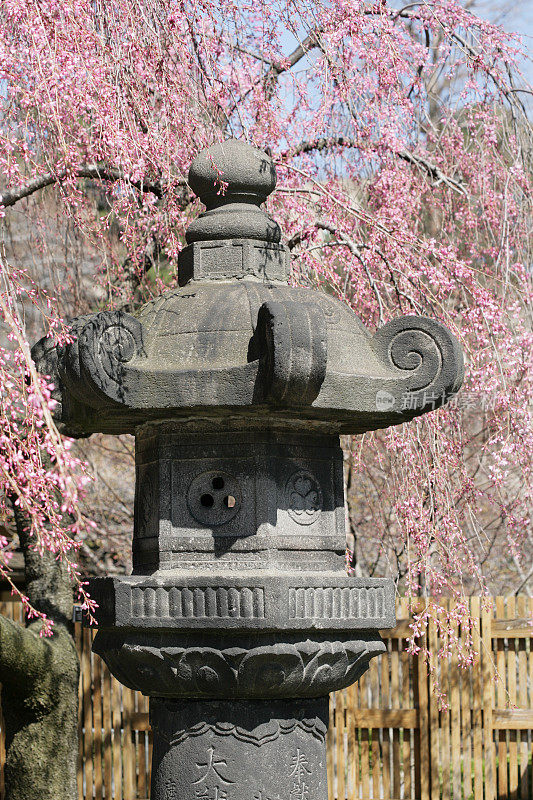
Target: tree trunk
(39, 679)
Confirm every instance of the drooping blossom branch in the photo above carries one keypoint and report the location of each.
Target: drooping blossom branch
(92, 171)
(38, 475)
(412, 158)
(403, 150)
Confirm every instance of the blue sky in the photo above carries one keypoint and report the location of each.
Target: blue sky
(516, 17)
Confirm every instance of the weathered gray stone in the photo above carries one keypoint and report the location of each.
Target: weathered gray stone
(188, 664)
(237, 387)
(250, 751)
(224, 346)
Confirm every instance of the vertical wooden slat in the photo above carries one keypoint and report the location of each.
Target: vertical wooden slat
(141, 783)
(488, 700)
(364, 741)
(511, 670)
(395, 691)
(87, 713)
(503, 702)
(150, 748)
(455, 722)
(417, 753)
(405, 703)
(522, 612)
(97, 721)
(365, 762)
(376, 763)
(357, 733)
(352, 782)
(107, 723)
(141, 750)
(135, 749)
(339, 732)
(422, 703)
(445, 718)
(373, 680)
(477, 718)
(385, 703)
(116, 715)
(466, 727)
(433, 713)
(129, 771)
(330, 741)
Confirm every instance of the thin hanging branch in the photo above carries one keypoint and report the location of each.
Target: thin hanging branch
(91, 171)
(325, 143)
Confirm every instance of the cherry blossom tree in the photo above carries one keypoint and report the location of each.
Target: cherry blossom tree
(402, 143)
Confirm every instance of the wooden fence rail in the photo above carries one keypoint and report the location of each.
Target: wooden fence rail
(387, 738)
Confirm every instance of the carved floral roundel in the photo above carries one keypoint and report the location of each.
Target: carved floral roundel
(304, 497)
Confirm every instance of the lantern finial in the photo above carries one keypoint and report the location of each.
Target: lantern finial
(234, 238)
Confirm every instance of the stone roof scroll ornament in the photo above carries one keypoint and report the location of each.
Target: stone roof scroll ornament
(239, 619)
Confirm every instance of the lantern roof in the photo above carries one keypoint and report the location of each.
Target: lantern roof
(236, 341)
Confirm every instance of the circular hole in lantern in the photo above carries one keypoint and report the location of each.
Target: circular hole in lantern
(218, 482)
(207, 500)
(229, 501)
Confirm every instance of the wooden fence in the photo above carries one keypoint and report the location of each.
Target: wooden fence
(387, 738)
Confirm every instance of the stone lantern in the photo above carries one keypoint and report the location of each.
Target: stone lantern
(239, 619)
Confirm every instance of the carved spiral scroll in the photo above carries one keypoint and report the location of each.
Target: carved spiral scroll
(425, 349)
(293, 351)
(106, 344)
(60, 362)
